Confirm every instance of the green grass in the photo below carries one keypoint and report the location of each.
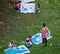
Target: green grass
(17, 27)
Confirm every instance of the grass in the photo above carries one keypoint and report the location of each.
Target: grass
(17, 27)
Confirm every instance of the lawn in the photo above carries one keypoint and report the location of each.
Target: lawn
(17, 26)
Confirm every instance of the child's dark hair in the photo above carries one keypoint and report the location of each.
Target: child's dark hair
(27, 40)
(44, 24)
(19, 1)
(38, 5)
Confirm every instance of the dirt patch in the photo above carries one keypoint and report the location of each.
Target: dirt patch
(1, 13)
(2, 5)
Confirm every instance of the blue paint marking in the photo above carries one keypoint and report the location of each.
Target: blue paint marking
(36, 39)
(17, 50)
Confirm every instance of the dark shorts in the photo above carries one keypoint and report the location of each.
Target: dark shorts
(16, 8)
(44, 41)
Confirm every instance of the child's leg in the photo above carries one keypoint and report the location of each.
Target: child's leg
(45, 41)
(28, 45)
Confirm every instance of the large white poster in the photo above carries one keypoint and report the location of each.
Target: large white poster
(27, 8)
(27, 0)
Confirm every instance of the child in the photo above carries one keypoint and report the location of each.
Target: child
(44, 33)
(11, 45)
(17, 6)
(28, 42)
(38, 7)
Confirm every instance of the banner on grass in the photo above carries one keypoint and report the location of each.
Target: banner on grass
(36, 39)
(27, 8)
(17, 50)
(26, 0)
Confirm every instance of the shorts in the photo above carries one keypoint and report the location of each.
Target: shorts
(44, 41)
